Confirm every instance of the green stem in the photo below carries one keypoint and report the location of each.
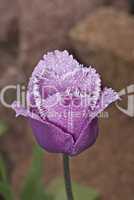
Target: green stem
(67, 178)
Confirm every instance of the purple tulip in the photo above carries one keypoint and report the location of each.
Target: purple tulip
(63, 102)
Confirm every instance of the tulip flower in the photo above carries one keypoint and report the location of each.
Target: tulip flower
(64, 99)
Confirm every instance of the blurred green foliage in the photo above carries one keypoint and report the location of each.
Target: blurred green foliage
(3, 127)
(33, 187)
(57, 190)
(5, 188)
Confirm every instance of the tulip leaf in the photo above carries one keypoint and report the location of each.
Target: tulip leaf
(33, 187)
(57, 190)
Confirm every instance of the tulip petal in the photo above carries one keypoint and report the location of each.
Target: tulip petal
(60, 62)
(70, 117)
(107, 97)
(52, 138)
(87, 137)
(20, 110)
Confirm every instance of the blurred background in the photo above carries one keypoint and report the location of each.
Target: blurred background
(100, 33)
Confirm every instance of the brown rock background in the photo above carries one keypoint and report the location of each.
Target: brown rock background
(45, 25)
(110, 46)
(8, 17)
